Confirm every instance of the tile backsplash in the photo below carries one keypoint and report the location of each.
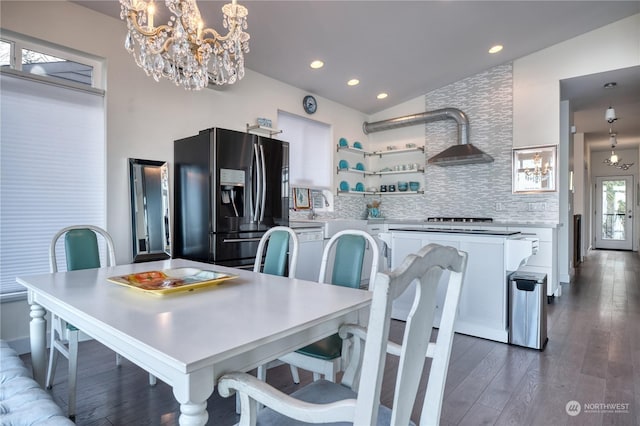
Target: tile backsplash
(474, 190)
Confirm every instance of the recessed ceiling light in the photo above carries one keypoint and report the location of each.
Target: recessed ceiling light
(353, 82)
(382, 95)
(496, 48)
(317, 64)
(610, 85)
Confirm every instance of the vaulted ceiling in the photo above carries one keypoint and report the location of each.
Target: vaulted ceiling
(408, 48)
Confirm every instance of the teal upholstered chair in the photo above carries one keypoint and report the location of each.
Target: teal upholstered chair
(82, 251)
(324, 357)
(278, 255)
(356, 400)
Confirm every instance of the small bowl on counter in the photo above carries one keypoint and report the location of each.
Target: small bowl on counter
(403, 186)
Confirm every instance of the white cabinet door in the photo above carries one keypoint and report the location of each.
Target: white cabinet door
(441, 292)
(403, 245)
(483, 305)
(483, 301)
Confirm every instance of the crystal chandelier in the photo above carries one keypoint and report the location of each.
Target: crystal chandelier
(536, 172)
(183, 50)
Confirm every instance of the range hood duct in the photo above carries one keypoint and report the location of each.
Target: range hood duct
(462, 153)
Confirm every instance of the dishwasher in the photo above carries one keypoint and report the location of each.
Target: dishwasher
(311, 241)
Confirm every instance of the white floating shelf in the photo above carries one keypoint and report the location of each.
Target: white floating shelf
(353, 150)
(398, 172)
(397, 151)
(357, 171)
(262, 130)
(399, 193)
(355, 192)
(379, 193)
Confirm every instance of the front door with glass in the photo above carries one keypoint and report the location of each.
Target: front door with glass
(614, 212)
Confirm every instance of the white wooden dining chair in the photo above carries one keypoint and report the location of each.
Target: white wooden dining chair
(357, 398)
(281, 244)
(81, 252)
(324, 358)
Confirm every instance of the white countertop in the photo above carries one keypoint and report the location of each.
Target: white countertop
(532, 224)
(298, 224)
(305, 225)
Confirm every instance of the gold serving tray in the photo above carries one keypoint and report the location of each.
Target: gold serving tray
(171, 280)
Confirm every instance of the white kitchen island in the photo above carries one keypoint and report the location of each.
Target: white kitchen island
(493, 254)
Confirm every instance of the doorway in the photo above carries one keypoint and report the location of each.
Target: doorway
(614, 212)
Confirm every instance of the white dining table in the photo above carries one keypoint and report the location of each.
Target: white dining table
(189, 339)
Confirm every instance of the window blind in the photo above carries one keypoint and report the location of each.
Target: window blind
(52, 171)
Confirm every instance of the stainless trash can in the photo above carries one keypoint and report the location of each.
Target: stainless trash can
(527, 309)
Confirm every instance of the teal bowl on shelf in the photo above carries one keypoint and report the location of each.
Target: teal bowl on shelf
(343, 164)
(344, 185)
(360, 166)
(414, 186)
(360, 187)
(403, 186)
(343, 142)
(357, 145)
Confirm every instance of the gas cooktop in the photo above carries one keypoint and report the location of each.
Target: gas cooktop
(460, 219)
(471, 231)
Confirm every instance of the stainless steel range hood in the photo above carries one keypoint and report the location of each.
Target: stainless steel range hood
(462, 153)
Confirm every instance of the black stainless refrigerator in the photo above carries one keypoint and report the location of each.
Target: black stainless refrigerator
(230, 187)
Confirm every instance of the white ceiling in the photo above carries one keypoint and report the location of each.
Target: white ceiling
(590, 99)
(408, 48)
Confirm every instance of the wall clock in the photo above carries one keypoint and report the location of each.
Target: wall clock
(309, 104)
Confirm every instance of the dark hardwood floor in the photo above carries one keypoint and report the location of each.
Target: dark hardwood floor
(593, 357)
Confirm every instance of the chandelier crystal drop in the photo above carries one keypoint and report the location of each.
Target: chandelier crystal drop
(183, 50)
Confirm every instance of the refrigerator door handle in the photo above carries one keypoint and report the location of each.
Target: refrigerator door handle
(240, 240)
(249, 187)
(256, 207)
(264, 183)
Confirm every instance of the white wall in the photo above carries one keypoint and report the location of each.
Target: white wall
(536, 96)
(145, 117)
(580, 196)
(536, 77)
(401, 136)
(565, 233)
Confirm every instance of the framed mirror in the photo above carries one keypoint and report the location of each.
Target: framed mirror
(534, 169)
(150, 224)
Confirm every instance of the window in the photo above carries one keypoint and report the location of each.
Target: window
(54, 63)
(5, 54)
(42, 64)
(309, 149)
(52, 166)
(310, 156)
